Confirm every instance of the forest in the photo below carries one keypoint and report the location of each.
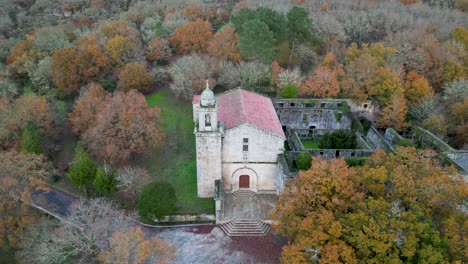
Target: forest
(95, 100)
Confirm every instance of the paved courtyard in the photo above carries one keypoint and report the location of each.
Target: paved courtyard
(256, 207)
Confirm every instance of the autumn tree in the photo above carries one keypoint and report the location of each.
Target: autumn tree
(126, 126)
(88, 105)
(335, 214)
(416, 87)
(192, 37)
(120, 49)
(131, 245)
(436, 124)
(15, 115)
(322, 83)
(132, 179)
(134, 76)
(75, 66)
(21, 174)
(224, 44)
(158, 50)
(309, 210)
(189, 73)
(393, 114)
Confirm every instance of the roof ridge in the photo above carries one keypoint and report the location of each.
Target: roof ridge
(244, 117)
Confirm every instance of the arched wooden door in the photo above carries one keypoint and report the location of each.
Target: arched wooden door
(244, 181)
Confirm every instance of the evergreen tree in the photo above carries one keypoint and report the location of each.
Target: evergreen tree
(104, 181)
(256, 41)
(82, 168)
(31, 139)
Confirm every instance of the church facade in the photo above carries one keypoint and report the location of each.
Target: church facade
(238, 140)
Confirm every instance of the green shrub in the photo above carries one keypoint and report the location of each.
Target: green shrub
(338, 115)
(304, 161)
(82, 168)
(158, 199)
(353, 162)
(339, 139)
(104, 182)
(31, 140)
(289, 91)
(109, 85)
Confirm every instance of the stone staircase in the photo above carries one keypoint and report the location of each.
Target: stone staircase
(243, 193)
(245, 227)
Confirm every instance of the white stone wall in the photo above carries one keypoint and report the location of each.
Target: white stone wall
(263, 176)
(259, 162)
(208, 149)
(263, 146)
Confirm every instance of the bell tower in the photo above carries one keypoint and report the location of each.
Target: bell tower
(208, 143)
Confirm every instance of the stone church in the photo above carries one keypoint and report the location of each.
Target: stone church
(238, 140)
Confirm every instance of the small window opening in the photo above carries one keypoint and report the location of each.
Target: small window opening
(207, 120)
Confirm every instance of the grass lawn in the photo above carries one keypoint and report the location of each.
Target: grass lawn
(309, 144)
(175, 161)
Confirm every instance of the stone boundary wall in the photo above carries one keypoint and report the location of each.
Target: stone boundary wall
(426, 139)
(365, 109)
(378, 141)
(458, 158)
(395, 139)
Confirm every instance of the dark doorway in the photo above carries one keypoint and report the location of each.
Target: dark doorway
(244, 181)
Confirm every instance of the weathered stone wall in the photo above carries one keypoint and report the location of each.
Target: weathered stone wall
(321, 113)
(395, 139)
(208, 153)
(262, 146)
(263, 176)
(377, 140)
(428, 140)
(459, 158)
(260, 162)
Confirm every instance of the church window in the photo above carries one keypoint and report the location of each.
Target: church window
(245, 140)
(245, 144)
(207, 120)
(245, 148)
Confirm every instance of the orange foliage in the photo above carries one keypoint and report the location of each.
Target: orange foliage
(21, 174)
(409, 2)
(192, 37)
(132, 246)
(15, 115)
(118, 48)
(225, 44)
(195, 11)
(416, 87)
(322, 83)
(126, 126)
(157, 50)
(73, 67)
(134, 76)
(276, 69)
(87, 107)
(394, 113)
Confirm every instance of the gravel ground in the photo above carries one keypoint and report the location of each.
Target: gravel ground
(208, 244)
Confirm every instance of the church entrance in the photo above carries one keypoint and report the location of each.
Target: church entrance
(244, 182)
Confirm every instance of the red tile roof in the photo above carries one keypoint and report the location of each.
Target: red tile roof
(237, 107)
(196, 99)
